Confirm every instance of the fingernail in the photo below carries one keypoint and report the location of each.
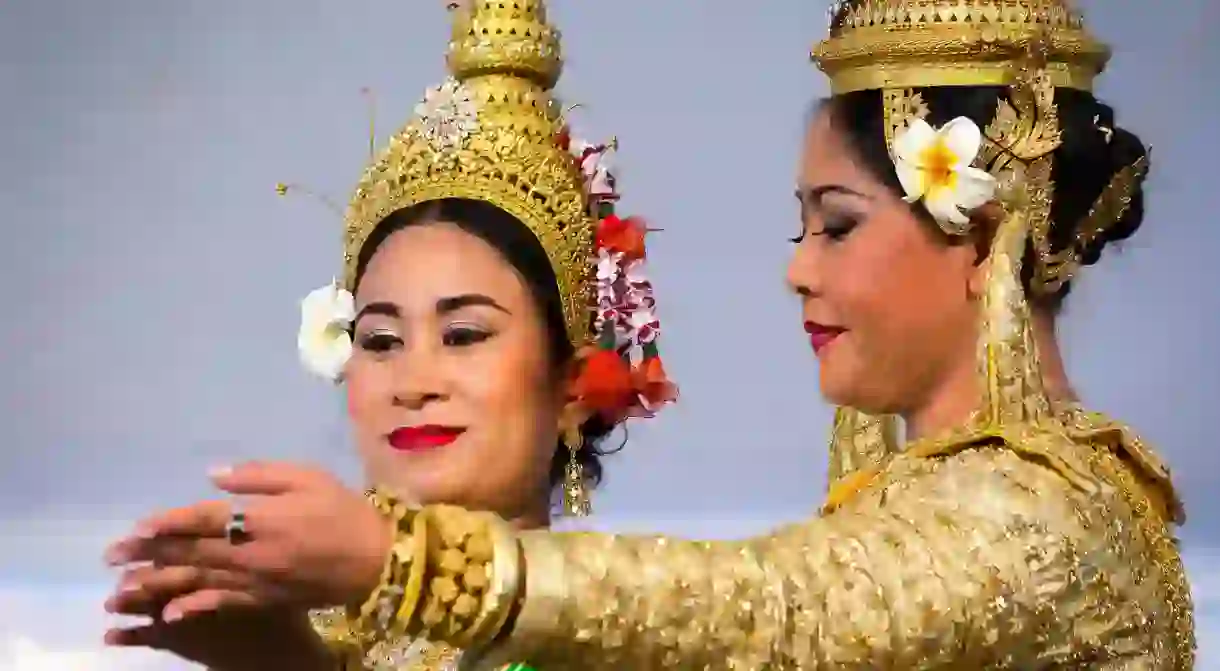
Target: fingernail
(171, 614)
(115, 555)
(145, 532)
(220, 472)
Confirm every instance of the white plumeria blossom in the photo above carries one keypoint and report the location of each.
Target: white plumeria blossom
(324, 343)
(448, 115)
(934, 165)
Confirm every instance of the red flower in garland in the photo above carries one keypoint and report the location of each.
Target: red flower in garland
(653, 384)
(624, 236)
(606, 384)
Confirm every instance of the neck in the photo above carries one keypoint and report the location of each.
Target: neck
(1054, 372)
(956, 397)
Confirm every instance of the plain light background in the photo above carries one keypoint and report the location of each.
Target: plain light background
(153, 275)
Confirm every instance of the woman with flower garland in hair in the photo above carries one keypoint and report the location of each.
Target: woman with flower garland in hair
(959, 177)
(476, 372)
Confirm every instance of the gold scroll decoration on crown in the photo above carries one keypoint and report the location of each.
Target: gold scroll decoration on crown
(505, 58)
(900, 44)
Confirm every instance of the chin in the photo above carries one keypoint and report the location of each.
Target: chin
(841, 388)
(837, 385)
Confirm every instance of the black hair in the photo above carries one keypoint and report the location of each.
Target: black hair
(1093, 149)
(521, 249)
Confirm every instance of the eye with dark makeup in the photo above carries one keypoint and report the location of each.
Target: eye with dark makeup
(464, 335)
(378, 342)
(820, 203)
(835, 227)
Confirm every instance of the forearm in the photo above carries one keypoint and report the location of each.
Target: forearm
(919, 580)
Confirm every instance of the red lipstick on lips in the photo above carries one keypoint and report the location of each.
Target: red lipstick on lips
(821, 335)
(426, 437)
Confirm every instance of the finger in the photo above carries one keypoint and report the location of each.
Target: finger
(269, 478)
(144, 636)
(205, 553)
(201, 519)
(207, 601)
(145, 590)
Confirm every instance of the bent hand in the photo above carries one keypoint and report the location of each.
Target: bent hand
(239, 637)
(306, 542)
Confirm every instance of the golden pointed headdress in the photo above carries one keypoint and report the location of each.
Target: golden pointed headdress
(491, 132)
(1031, 46)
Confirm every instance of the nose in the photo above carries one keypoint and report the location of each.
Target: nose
(803, 275)
(419, 378)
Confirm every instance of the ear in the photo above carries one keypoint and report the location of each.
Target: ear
(573, 416)
(572, 413)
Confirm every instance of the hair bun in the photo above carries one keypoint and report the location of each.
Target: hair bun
(1123, 149)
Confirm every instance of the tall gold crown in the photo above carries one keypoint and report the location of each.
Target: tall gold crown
(491, 132)
(880, 44)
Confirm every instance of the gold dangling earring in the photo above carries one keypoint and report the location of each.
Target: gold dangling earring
(575, 487)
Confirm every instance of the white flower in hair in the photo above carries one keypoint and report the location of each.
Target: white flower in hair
(447, 115)
(933, 165)
(324, 343)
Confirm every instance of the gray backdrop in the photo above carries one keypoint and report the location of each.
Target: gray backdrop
(154, 275)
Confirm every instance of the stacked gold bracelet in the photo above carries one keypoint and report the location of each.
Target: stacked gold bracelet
(384, 615)
(452, 576)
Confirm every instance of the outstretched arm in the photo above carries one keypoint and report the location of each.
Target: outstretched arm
(978, 557)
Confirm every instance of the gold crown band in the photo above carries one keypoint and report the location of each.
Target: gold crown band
(877, 44)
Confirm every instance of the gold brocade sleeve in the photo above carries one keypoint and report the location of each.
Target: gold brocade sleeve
(983, 559)
(334, 630)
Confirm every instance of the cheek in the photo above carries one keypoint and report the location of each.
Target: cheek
(895, 301)
(509, 395)
(367, 384)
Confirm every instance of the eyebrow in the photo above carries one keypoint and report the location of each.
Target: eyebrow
(814, 194)
(443, 306)
(454, 303)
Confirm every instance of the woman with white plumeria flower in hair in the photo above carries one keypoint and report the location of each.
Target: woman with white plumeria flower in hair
(1012, 529)
(493, 325)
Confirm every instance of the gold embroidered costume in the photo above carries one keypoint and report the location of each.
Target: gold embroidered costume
(1035, 536)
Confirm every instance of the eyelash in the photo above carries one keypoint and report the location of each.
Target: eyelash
(379, 342)
(464, 336)
(836, 229)
(457, 336)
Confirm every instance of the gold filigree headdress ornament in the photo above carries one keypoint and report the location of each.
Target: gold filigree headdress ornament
(1032, 47)
(493, 132)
